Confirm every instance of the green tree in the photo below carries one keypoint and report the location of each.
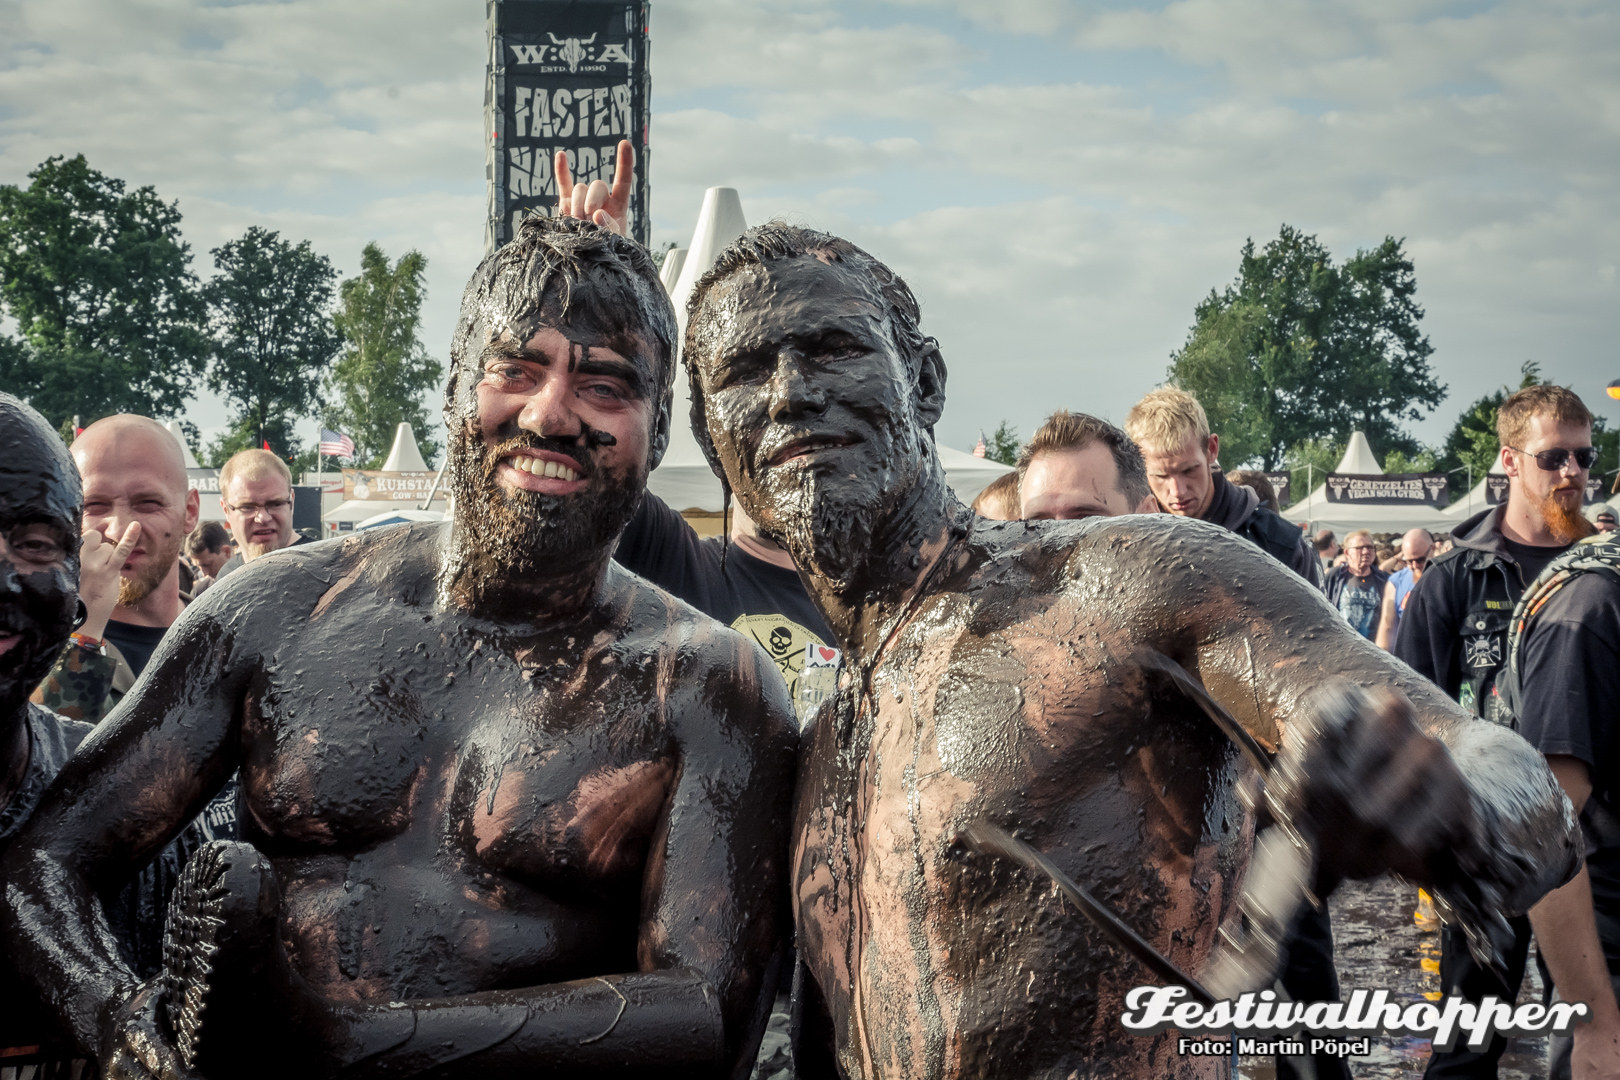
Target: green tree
(1297, 349)
(269, 310)
(383, 370)
(1003, 446)
(1471, 447)
(103, 294)
(1308, 461)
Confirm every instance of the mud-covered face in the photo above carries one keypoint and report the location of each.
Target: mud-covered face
(551, 457)
(811, 408)
(39, 552)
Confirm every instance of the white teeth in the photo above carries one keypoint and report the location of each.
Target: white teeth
(537, 467)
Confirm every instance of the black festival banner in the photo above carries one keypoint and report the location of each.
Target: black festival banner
(1496, 490)
(567, 75)
(1282, 483)
(1387, 489)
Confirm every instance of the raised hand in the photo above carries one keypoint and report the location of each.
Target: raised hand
(607, 207)
(100, 563)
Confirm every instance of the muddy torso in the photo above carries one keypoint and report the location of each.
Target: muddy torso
(1012, 696)
(454, 808)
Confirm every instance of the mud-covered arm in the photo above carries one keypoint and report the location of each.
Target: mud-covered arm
(713, 919)
(145, 772)
(1486, 806)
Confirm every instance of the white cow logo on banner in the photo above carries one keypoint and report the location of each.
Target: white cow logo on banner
(572, 50)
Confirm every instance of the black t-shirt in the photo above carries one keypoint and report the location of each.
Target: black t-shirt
(765, 602)
(137, 643)
(1532, 560)
(1569, 680)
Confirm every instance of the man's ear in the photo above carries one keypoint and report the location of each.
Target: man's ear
(658, 437)
(931, 387)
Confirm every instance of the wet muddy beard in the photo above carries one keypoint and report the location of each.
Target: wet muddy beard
(528, 532)
(1567, 524)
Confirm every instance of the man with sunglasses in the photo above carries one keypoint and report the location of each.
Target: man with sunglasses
(1416, 547)
(255, 491)
(1455, 626)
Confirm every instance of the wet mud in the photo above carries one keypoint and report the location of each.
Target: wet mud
(1379, 945)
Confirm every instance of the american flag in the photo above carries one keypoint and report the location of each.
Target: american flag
(336, 444)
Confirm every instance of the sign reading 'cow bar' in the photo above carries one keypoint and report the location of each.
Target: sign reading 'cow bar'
(1387, 489)
(568, 75)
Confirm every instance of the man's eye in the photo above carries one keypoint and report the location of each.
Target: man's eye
(503, 373)
(606, 391)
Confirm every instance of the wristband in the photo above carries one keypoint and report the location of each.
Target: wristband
(85, 641)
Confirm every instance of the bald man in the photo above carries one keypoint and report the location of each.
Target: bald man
(134, 474)
(1416, 547)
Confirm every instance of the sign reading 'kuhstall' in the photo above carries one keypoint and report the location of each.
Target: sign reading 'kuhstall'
(374, 484)
(1387, 489)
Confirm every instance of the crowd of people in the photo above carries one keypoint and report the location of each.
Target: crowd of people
(559, 786)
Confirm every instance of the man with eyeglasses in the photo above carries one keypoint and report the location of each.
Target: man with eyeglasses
(1455, 627)
(1416, 547)
(255, 491)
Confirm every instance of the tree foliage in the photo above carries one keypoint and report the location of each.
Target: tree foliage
(383, 371)
(102, 290)
(269, 313)
(1470, 447)
(1004, 445)
(1297, 349)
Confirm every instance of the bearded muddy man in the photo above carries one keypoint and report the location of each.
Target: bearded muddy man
(527, 813)
(1015, 673)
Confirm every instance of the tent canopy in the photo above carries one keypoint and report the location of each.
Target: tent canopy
(1342, 518)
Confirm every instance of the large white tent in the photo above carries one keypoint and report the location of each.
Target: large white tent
(403, 456)
(1342, 518)
(1473, 502)
(684, 479)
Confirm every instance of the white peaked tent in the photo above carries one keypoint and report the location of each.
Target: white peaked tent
(405, 455)
(185, 448)
(684, 479)
(1342, 518)
(670, 272)
(1473, 502)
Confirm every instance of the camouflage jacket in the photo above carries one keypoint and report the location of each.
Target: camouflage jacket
(85, 685)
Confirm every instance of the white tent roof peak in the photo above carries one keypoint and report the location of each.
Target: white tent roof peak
(720, 221)
(1358, 457)
(406, 456)
(174, 429)
(670, 272)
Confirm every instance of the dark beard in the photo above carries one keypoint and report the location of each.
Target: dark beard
(820, 529)
(527, 531)
(1566, 524)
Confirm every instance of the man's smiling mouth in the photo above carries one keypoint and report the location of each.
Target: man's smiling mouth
(537, 467)
(807, 446)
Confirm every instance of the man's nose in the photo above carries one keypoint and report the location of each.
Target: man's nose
(549, 411)
(792, 394)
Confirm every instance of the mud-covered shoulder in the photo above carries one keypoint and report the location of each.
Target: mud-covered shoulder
(719, 680)
(281, 589)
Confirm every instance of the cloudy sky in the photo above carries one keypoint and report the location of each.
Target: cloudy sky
(1060, 181)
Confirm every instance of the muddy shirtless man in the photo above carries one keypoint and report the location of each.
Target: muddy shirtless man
(528, 815)
(1016, 673)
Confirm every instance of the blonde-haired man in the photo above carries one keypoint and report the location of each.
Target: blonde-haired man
(255, 491)
(1183, 472)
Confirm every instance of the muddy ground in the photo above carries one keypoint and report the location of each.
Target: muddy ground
(1378, 944)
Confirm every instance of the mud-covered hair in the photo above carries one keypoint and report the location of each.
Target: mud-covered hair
(778, 240)
(541, 267)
